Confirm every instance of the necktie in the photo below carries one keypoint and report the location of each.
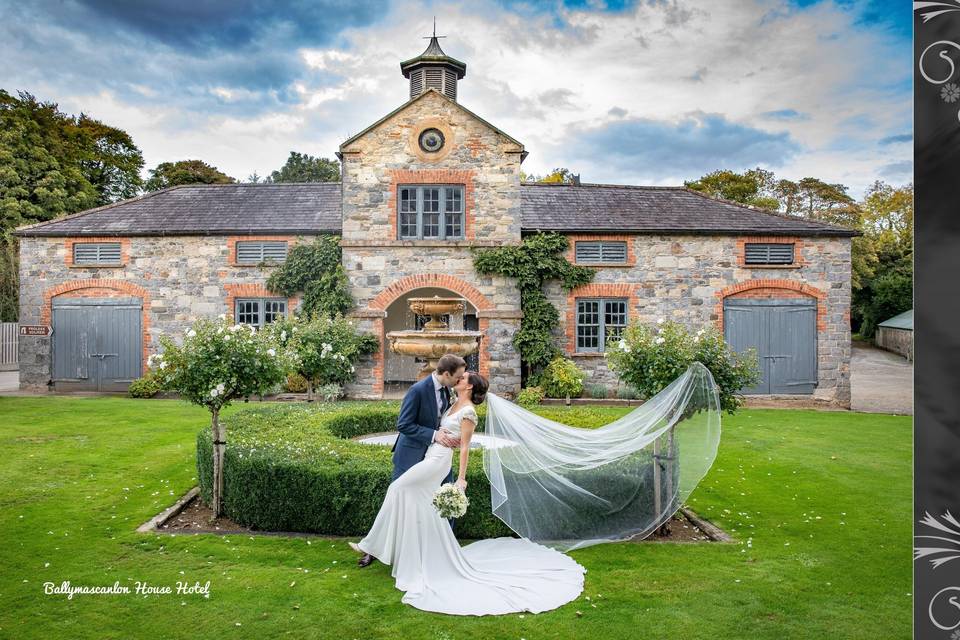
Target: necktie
(444, 399)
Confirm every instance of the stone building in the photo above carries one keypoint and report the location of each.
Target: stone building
(420, 188)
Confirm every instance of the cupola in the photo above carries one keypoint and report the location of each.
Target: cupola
(433, 68)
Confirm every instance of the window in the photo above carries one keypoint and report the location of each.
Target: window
(257, 251)
(428, 212)
(768, 253)
(96, 253)
(602, 251)
(599, 320)
(259, 311)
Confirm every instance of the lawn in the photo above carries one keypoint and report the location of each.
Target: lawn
(819, 503)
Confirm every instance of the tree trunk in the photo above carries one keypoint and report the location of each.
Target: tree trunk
(309, 390)
(219, 447)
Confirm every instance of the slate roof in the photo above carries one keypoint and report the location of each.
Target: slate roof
(608, 208)
(208, 209)
(309, 208)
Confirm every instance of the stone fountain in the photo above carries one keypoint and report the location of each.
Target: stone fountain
(436, 338)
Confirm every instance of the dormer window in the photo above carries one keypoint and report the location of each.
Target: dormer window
(430, 212)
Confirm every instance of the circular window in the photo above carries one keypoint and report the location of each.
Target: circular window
(431, 140)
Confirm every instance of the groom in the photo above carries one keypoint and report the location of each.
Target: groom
(419, 421)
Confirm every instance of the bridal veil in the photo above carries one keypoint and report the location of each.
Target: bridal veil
(567, 487)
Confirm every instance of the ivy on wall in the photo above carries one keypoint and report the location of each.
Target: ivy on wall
(540, 257)
(315, 269)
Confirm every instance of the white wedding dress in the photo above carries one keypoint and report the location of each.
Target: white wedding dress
(487, 577)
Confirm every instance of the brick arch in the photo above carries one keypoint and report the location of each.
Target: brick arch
(440, 281)
(100, 288)
(773, 288)
(392, 293)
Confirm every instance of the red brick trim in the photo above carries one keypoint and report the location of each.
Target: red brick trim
(232, 247)
(245, 290)
(798, 260)
(766, 288)
(100, 288)
(572, 250)
(595, 290)
(466, 177)
(124, 251)
(440, 281)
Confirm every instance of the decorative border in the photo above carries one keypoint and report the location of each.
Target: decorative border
(949, 91)
(798, 260)
(232, 247)
(595, 290)
(98, 288)
(124, 251)
(465, 177)
(572, 250)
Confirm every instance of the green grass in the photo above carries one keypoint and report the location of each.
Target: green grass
(80, 474)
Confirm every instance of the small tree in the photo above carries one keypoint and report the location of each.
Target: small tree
(562, 378)
(327, 349)
(216, 363)
(650, 357)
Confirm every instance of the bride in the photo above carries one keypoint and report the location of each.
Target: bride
(487, 577)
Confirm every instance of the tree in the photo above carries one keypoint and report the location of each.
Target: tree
(301, 167)
(560, 175)
(111, 162)
(171, 174)
(753, 187)
(216, 363)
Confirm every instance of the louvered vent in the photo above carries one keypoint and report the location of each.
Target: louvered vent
(254, 252)
(768, 253)
(416, 83)
(450, 84)
(96, 253)
(599, 252)
(434, 78)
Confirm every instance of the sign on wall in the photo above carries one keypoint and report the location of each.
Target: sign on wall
(35, 330)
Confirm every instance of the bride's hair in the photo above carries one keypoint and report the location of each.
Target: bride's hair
(479, 391)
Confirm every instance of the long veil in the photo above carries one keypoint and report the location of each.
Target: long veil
(567, 488)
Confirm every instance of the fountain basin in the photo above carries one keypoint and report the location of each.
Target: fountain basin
(435, 307)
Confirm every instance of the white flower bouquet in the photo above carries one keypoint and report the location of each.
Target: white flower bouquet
(450, 501)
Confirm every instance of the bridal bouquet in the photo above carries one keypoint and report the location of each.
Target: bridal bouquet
(449, 501)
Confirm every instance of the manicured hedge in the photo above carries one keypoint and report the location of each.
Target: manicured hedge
(290, 467)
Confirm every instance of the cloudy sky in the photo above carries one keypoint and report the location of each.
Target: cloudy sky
(646, 92)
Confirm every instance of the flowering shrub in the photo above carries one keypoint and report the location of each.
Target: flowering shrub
(327, 348)
(650, 357)
(562, 378)
(217, 362)
(530, 396)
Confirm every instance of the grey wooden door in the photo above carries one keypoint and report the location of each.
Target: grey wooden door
(97, 343)
(784, 333)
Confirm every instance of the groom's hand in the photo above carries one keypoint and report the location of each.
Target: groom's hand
(447, 440)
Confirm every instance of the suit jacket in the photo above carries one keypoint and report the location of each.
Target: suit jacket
(417, 423)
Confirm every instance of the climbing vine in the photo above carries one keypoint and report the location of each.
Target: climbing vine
(315, 269)
(540, 257)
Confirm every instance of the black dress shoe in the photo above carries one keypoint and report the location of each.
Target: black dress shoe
(365, 560)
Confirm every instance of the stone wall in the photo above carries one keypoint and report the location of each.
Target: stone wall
(686, 277)
(179, 278)
(381, 267)
(896, 340)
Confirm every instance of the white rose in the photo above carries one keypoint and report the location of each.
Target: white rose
(220, 387)
(222, 316)
(191, 333)
(271, 352)
(660, 321)
(226, 338)
(660, 340)
(283, 335)
(214, 393)
(163, 365)
(696, 339)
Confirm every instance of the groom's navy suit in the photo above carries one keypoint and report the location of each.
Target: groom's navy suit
(417, 423)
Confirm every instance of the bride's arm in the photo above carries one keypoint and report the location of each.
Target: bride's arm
(466, 431)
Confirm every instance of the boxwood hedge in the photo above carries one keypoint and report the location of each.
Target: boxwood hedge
(294, 467)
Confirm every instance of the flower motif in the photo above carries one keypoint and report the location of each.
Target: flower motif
(950, 92)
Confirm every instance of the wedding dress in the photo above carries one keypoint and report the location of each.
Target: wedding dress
(488, 577)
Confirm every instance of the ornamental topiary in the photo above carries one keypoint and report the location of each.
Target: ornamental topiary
(650, 357)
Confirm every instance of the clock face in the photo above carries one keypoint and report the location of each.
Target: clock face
(431, 140)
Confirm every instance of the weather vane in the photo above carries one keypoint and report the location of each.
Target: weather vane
(434, 30)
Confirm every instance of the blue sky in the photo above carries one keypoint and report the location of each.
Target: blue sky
(648, 92)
